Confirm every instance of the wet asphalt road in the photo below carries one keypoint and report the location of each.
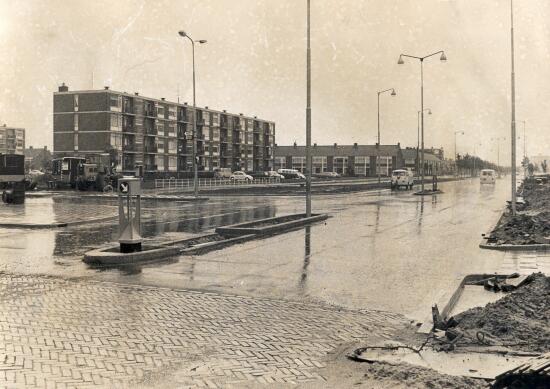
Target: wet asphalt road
(379, 250)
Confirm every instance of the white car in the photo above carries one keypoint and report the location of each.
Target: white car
(240, 176)
(402, 177)
(487, 176)
(291, 173)
(274, 174)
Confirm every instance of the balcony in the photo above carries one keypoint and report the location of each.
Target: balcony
(150, 149)
(150, 113)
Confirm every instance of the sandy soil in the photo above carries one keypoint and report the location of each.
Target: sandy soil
(520, 320)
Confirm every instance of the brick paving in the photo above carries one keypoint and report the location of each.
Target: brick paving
(78, 333)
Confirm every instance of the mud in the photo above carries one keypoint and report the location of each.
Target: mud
(404, 375)
(520, 320)
(531, 225)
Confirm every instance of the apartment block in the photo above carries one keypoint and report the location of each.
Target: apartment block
(157, 134)
(12, 140)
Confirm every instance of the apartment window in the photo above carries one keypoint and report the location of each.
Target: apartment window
(159, 161)
(171, 129)
(215, 150)
(172, 112)
(206, 133)
(172, 147)
(75, 142)
(249, 137)
(172, 164)
(116, 141)
(116, 122)
(75, 102)
(159, 126)
(160, 111)
(250, 165)
(216, 135)
(299, 163)
(160, 145)
(115, 103)
(206, 149)
(75, 119)
(215, 119)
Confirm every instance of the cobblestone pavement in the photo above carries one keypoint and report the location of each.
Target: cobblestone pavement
(77, 333)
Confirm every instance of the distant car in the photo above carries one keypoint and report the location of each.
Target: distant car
(222, 172)
(327, 174)
(402, 177)
(291, 173)
(487, 176)
(240, 176)
(274, 174)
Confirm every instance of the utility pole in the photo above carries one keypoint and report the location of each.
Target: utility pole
(513, 130)
(308, 117)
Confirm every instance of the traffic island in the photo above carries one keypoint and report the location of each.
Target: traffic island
(427, 192)
(272, 225)
(112, 256)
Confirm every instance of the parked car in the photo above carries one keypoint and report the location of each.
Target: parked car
(327, 174)
(258, 174)
(487, 176)
(402, 177)
(291, 173)
(222, 172)
(240, 176)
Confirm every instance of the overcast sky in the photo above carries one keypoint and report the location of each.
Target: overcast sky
(254, 63)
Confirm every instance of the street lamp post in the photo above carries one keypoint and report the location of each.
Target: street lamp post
(456, 155)
(421, 59)
(378, 144)
(183, 34)
(308, 115)
(513, 129)
(418, 139)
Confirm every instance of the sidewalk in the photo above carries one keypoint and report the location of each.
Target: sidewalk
(67, 333)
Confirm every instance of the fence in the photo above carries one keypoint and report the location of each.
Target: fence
(187, 184)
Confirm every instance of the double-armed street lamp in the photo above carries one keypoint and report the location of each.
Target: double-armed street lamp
(456, 155)
(421, 59)
(183, 34)
(392, 90)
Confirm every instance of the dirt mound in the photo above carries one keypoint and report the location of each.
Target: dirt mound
(404, 375)
(522, 229)
(520, 320)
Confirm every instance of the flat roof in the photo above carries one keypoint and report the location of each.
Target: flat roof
(157, 100)
(338, 150)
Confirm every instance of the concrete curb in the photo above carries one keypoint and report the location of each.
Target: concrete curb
(248, 227)
(42, 226)
(104, 257)
(203, 248)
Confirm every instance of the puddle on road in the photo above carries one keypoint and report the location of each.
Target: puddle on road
(475, 365)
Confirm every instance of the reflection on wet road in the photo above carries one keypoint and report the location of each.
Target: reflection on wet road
(384, 250)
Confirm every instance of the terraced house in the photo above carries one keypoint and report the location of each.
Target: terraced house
(157, 134)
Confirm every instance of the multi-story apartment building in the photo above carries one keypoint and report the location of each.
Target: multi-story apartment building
(157, 134)
(12, 140)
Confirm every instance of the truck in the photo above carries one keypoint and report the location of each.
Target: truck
(12, 178)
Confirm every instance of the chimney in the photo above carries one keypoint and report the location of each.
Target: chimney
(106, 87)
(136, 93)
(355, 145)
(30, 147)
(185, 103)
(398, 145)
(206, 107)
(335, 145)
(315, 145)
(162, 98)
(241, 114)
(45, 147)
(224, 111)
(295, 145)
(63, 88)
